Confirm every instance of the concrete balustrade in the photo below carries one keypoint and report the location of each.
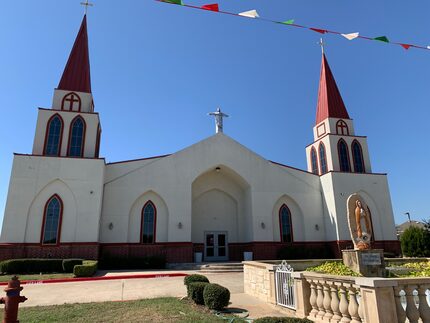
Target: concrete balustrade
(358, 299)
(345, 299)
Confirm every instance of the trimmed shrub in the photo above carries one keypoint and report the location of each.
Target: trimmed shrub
(31, 265)
(69, 264)
(415, 242)
(195, 278)
(195, 292)
(216, 297)
(148, 262)
(269, 319)
(87, 269)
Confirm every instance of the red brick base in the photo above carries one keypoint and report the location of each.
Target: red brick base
(175, 252)
(72, 250)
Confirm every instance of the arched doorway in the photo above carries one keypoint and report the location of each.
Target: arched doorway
(219, 210)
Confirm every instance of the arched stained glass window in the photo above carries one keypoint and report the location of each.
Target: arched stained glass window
(357, 157)
(76, 140)
(285, 224)
(342, 128)
(342, 150)
(149, 215)
(323, 159)
(314, 161)
(52, 220)
(54, 132)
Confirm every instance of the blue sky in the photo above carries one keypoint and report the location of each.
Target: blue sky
(157, 69)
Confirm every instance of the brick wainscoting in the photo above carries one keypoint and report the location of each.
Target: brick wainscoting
(175, 252)
(65, 250)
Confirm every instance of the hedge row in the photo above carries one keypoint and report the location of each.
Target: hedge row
(87, 269)
(214, 296)
(37, 265)
(69, 264)
(30, 265)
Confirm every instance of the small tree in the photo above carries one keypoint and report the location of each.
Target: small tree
(415, 242)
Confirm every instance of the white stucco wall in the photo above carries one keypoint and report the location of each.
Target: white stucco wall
(91, 121)
(254, 183)
(374, 190)
(86, 100)
(34, 179)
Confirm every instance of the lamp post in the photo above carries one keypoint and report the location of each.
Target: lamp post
(409, 216)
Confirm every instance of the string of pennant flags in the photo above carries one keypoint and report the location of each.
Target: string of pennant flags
(253, 14)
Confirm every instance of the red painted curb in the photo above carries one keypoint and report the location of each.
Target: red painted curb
(82, 279)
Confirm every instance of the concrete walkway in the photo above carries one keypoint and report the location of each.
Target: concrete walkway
(132, 289)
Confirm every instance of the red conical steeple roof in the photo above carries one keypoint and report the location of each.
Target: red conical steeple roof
(330, 103)
(76, 75)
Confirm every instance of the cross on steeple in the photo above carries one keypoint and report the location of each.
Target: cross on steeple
(87, 4)
(218, 119)
(322, 44)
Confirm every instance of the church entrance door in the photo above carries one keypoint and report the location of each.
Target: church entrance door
(216, 246)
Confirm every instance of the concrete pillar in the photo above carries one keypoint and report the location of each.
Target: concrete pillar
(377, 299)
(302, 292)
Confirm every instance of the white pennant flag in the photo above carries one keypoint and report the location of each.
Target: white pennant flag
(249, 14)
(428, 47)
(350, 36)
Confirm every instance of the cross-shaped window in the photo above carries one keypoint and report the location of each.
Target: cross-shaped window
(342, 128)
(71, 102)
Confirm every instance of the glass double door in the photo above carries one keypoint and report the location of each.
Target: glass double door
(216, 247)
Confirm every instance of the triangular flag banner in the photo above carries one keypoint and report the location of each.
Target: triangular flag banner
(211, 7)
(249, 14)
(405, 46)
(382, 38)
(350, 36)
(179, 2)
(321, 31)
(288, 22)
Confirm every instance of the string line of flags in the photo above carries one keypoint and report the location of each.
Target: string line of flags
(253, 14)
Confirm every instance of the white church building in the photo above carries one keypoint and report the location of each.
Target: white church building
(216, 196)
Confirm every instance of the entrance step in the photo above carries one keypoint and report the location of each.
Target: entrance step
(222, 268)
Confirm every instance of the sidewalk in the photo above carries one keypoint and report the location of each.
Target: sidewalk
(137, 288)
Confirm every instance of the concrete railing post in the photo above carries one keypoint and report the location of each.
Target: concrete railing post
(377, 299)
(302, 292)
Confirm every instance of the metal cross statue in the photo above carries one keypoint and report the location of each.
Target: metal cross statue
(218, 119)
(322, 44)
(87, 4)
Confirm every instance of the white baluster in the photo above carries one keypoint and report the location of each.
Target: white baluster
(360, 306)
(320, 300)
(335, 304)
(327, 302)
(424, 308)
(343, 306)
(313, 300)
(401, 314)
(412, 312)
(353, 305)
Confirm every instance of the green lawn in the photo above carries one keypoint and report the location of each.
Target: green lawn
(146, 310)
(6, 278)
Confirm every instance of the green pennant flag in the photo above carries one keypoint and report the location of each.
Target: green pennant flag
(382, 38)
(288, 22)
(179, 2)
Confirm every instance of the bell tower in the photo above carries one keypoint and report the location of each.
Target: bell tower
(336, 148)
(71, 128)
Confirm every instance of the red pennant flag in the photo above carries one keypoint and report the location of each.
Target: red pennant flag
(405, 46)
(321, 31)
(211, 7)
